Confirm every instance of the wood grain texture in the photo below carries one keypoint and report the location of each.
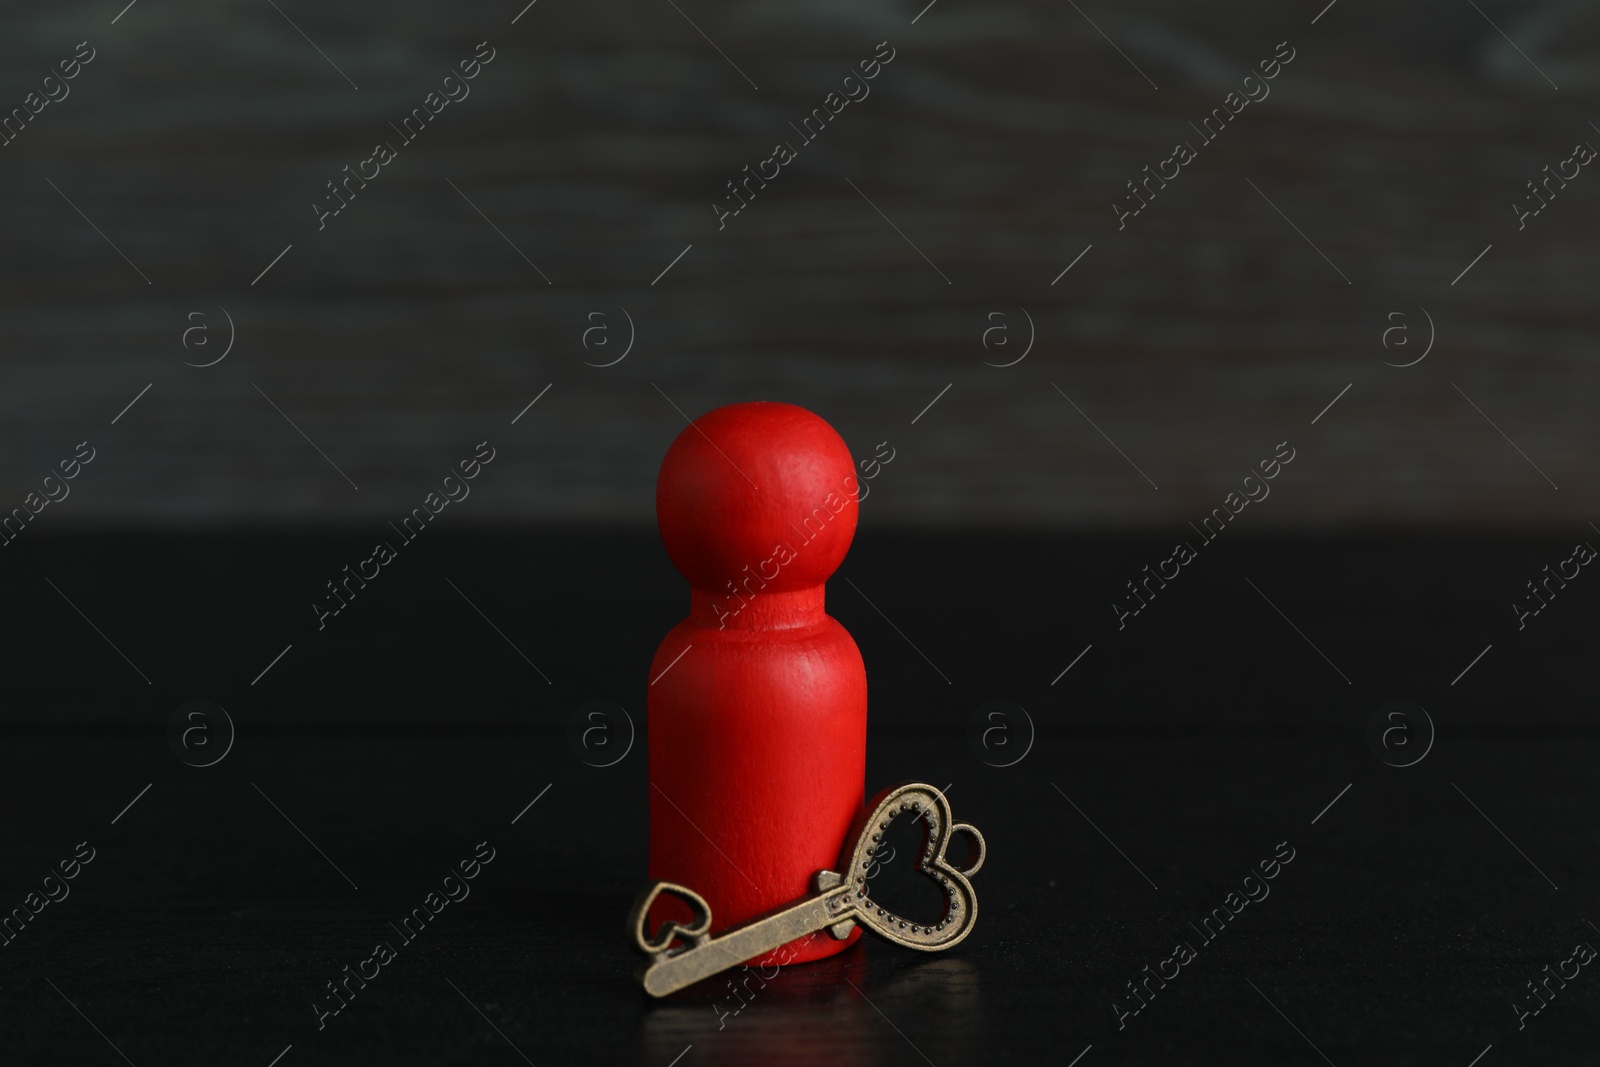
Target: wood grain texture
(597, 142)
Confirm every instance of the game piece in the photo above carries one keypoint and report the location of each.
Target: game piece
(757, 701)
(840, 903)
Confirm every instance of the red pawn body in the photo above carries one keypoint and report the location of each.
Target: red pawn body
(758, 704)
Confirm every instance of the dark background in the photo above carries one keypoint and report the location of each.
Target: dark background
(599, 139)
(1161, 761)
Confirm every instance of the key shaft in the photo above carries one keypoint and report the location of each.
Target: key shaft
(669, 973)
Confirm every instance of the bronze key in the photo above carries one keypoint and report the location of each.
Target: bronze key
(839, 903)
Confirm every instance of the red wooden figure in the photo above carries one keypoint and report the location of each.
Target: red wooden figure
(758, 700)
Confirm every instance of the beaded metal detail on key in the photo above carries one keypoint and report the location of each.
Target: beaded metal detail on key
(929, 806)
(680, 955)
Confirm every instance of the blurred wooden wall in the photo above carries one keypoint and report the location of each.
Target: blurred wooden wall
(597, 140)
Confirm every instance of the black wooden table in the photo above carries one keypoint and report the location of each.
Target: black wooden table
(1167, 764)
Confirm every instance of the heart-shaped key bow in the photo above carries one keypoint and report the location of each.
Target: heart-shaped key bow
(680, 955)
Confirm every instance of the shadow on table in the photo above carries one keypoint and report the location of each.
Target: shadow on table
(831, 1008)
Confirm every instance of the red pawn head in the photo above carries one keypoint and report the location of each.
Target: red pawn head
(758, 700)
(757, 499)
